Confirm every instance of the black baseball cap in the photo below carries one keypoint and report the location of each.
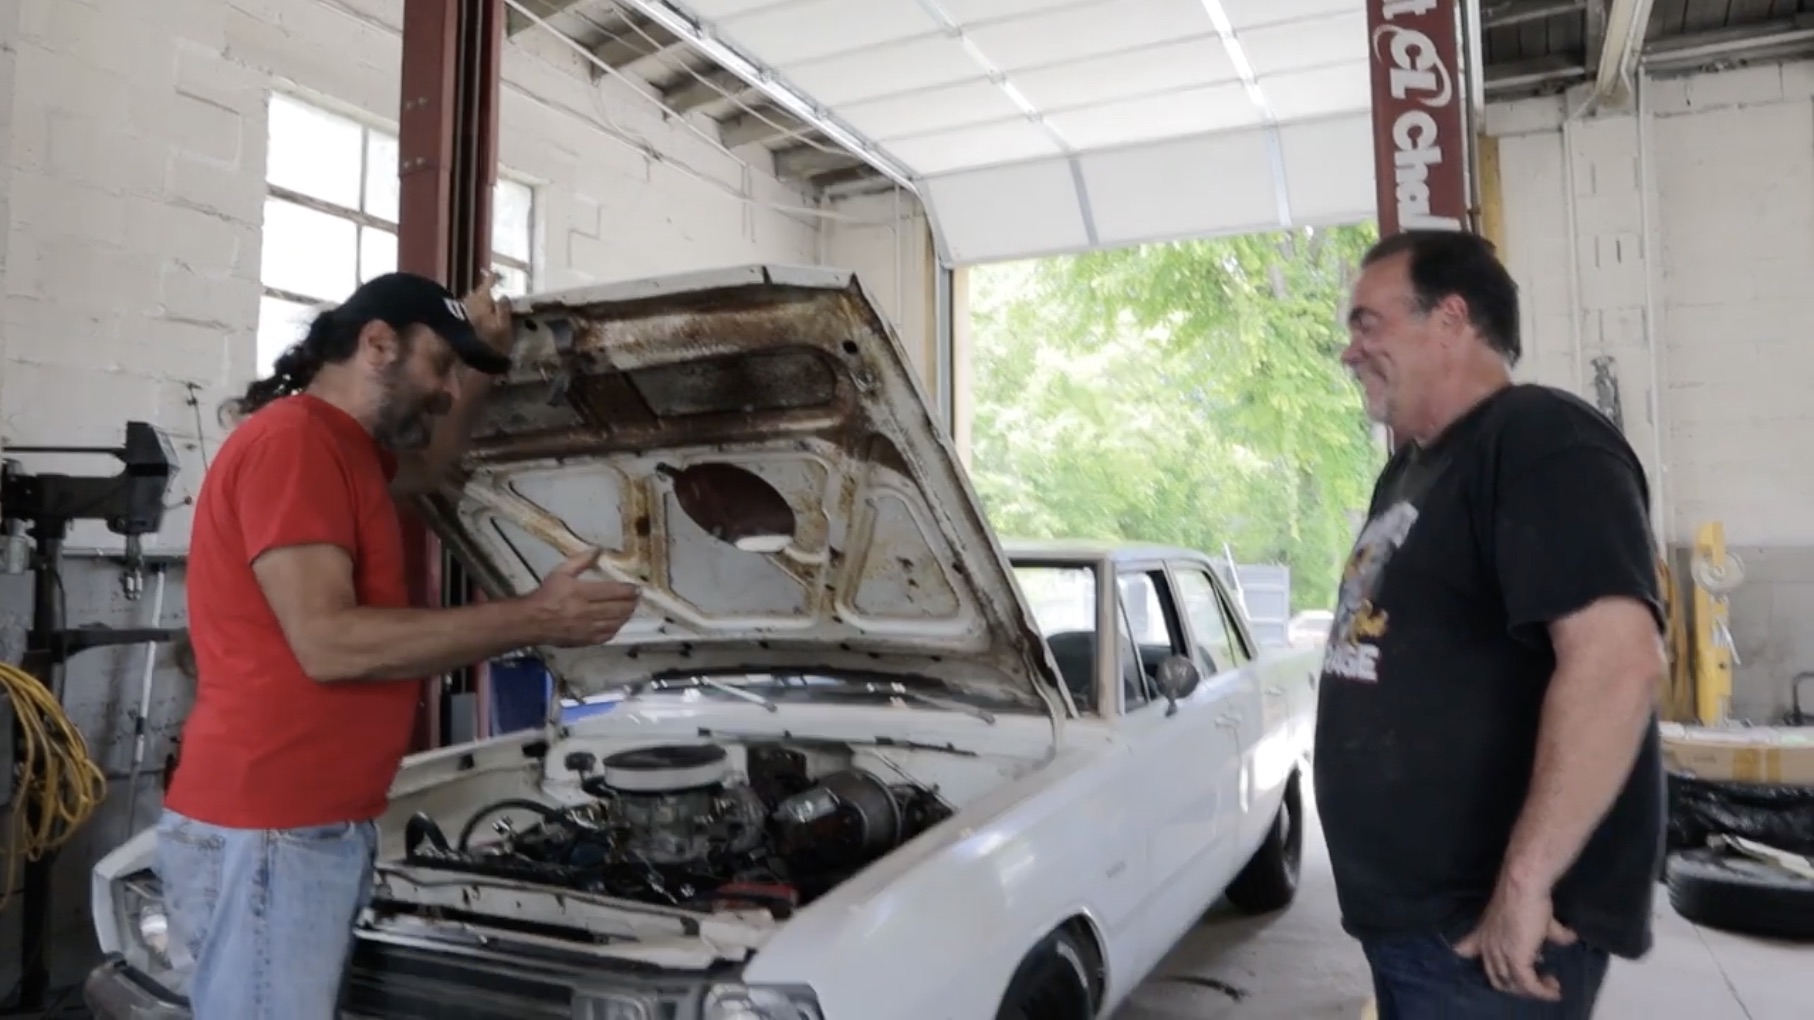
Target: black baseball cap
(407, 299)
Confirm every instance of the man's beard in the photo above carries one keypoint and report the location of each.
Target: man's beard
(406, 420)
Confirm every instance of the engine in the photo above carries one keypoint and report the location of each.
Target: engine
(675, 825)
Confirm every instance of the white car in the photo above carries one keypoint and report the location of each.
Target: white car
(1310, 628)
(848, 778)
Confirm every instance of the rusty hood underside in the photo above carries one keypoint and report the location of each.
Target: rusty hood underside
(750, 448)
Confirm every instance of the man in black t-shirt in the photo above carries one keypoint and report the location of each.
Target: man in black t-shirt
(1487, 762)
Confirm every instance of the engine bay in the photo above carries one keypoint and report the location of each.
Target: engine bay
(679, 825)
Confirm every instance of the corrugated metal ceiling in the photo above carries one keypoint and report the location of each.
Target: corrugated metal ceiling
(1532, 46)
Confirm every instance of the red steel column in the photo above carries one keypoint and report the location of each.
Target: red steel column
(1422, 146)
(448, 144)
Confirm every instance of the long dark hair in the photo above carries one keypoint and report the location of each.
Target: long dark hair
(331, 338)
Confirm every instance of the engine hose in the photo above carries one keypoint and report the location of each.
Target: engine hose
(472, 824)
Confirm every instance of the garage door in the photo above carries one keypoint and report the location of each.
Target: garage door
(1038, 127)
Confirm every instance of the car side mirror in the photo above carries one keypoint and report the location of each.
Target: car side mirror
(1177, 677)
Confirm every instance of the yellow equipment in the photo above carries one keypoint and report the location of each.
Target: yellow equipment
(1715, 573)
(55, 773)
(1678, 683)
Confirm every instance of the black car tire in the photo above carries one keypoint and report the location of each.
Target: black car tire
(1052, 982)
(1269, 882)
(1734, 893)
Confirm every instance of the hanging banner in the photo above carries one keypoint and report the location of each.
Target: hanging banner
(1420, 122)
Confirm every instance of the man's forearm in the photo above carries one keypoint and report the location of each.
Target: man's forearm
(371, 643)
(1591, 729)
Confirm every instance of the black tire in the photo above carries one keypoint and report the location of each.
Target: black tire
(1269, 882)
(1734, 893)
(1774, 814)
(1052, 982)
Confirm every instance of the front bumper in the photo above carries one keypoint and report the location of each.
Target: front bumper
(114, 991)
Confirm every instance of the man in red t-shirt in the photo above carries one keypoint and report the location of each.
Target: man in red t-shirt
(308, 655)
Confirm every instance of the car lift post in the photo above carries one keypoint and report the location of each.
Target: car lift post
(448, 151)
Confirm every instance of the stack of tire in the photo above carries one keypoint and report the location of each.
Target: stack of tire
(1720, 887)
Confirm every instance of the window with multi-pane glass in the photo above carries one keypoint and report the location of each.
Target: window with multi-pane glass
(330, 219)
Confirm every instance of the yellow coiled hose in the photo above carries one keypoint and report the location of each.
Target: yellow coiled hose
(56, 774)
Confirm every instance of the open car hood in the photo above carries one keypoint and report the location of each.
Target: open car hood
(750, 447)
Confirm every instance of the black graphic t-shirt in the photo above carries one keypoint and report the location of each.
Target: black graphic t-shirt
(1528, 508)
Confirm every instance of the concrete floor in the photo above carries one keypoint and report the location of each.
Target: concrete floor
(1298, 965)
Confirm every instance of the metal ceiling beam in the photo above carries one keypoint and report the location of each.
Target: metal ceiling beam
(802, 161)
(834, 187)
(1779, 40)
(783, 95)
(516, 21)
(711, 87)
(1786, 38)
(1533, 75)
(1594, 34)
(1507, 13)
(1626, 23)
(641, 39)
(751, 129)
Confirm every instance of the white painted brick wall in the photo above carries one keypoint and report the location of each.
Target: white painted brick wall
(888, 244)
(1733, 164)
(1732, 158)
(135, 146)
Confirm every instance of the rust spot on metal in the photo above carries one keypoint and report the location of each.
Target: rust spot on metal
(698, 369)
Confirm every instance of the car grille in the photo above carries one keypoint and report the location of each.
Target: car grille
(406, 983)
(414, 979)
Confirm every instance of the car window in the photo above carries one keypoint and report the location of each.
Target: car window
(1218, 648)
(1150, 634)
(1063, 602)
(1231, 617)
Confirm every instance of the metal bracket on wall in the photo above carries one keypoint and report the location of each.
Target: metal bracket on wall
(1606, 390)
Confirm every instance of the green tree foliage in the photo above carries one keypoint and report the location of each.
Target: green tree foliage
(1186, 393)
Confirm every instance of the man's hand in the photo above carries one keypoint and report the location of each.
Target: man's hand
(490, 316)
(572, 613)
(1509, 940)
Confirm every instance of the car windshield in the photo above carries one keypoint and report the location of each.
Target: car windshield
(1062, 597)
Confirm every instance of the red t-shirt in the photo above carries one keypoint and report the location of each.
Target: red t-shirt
(265, 746)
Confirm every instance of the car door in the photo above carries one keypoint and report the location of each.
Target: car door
(1184, 762)
(1220, 644)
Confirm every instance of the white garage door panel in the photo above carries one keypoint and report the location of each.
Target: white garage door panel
(1320, 92)
(928, 111)
(794, 32)
(918, 63)
(1299, 46)
(984, 145)
(1006, 212)
(1329, 169)
(1181, 188)
(1245, 14)
(1150, 118)
(1089, 31)
(1150, 69)
(1033, 127)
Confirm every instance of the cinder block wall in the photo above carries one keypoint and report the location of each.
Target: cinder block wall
(1713, 360)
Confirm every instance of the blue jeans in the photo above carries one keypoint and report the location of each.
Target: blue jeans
(1420, 977)
(261, 921)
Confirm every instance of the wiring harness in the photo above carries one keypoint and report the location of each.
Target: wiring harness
(56, 775)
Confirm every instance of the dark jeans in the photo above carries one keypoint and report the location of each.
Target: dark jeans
(1420, 977)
